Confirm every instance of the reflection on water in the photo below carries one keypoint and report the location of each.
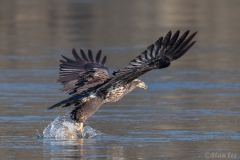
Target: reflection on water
(189, 109)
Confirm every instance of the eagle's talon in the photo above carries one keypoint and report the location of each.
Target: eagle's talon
(80, 127)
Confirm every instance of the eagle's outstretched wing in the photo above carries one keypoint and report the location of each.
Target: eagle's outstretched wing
(157, 56)
(84, 73)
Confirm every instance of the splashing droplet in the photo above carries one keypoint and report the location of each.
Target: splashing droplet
(65, 129)
(89, 132)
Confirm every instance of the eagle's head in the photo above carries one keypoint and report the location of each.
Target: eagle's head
(140, 84)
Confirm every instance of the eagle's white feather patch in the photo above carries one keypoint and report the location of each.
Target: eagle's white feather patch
(92, 95)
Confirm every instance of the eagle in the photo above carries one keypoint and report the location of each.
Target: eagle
(90, 85)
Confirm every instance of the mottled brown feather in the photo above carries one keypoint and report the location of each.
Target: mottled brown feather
(84, 73)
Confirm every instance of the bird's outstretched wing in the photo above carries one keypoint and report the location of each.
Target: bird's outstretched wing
(157, 56)
(83, 73)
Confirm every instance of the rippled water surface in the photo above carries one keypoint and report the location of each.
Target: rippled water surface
(190, 110)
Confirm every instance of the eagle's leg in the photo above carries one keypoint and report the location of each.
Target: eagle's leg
(80, 126)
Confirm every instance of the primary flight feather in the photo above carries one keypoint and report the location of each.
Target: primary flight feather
(87, 79)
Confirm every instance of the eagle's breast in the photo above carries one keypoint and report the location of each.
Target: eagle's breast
(115, 93)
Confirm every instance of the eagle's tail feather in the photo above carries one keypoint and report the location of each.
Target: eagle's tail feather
(69, 101)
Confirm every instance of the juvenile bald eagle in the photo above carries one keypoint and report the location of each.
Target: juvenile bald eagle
(88, 81)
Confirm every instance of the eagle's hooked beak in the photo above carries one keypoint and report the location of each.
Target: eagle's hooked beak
(142, 85)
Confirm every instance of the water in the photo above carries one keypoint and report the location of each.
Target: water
(190, 110)
(65, 129)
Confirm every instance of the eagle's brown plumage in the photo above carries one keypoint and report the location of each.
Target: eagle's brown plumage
(89, 82)
(84, 73)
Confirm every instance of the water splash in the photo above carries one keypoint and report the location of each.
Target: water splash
(61, 128)
(89, 132)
